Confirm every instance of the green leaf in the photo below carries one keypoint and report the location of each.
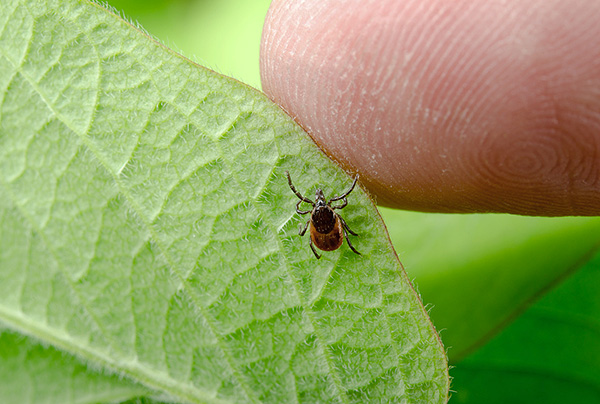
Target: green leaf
(479, 272)
(147, 233)
(25, 375)
(548, 355)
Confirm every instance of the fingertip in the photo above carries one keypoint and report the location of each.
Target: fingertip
(447, 106)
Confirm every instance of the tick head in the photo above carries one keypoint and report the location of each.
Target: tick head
(320, 198)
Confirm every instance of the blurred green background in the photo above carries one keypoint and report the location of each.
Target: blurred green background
(223, 35)
(516, 299)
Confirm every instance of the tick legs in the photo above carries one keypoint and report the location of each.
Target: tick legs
(302, 212)
(343, 196)
(350, 244)
(303, 230)
(312, 247)
(299, 195)
(346, 226)
(343, 205)
(346, 231)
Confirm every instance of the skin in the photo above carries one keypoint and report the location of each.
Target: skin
(447, 105)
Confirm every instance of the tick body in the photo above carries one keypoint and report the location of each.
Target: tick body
(327, 228)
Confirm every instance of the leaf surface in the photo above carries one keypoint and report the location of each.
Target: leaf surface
(147, 232)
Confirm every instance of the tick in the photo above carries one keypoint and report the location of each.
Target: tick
(327, 228)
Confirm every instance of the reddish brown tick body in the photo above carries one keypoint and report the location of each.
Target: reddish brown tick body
(327, 228)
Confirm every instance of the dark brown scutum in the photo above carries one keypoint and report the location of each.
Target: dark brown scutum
(323, 219)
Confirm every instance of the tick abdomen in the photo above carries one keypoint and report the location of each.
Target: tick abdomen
(328, 241)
